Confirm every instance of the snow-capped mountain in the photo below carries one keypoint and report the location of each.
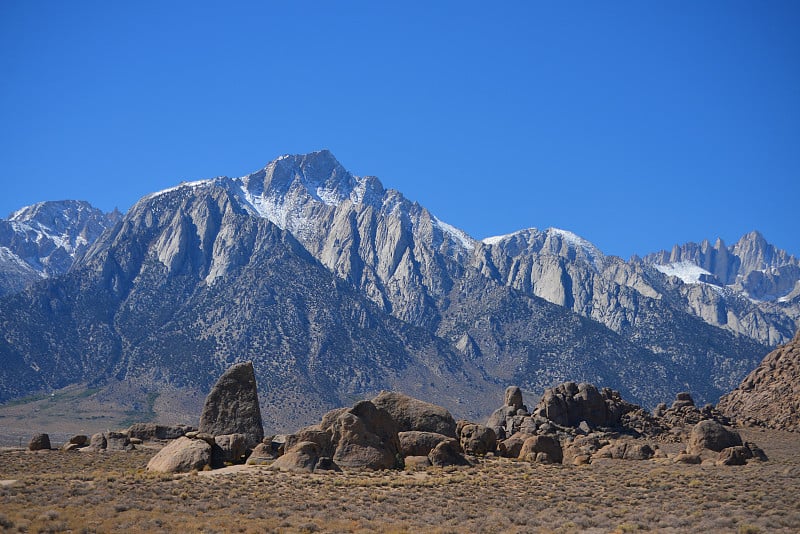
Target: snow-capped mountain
(42, 240)
(337, 286)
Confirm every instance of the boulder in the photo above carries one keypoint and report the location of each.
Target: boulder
(39, 442)
(734, 456)
(228, 449)
(569, 403)
(542, 449)
(181, 456)
(151, 431)
(365, 437)
(477, 439)
(511, 447)
(118, 441)
(232, 406)
(711, 435)
(413, 414)
(682, 400)
(301, 458)
(314, 434)
(80, 440)
(686, 458)
(513, 397)
(626, 450)
(447, 453)
(97, 442)
(415, 443)
(262, 454)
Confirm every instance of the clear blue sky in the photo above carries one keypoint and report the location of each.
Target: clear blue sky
(634, 124)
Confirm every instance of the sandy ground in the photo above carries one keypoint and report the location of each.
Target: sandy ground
(54, 491)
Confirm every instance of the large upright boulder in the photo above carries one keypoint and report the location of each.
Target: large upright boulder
(232, 406)
(412, 414)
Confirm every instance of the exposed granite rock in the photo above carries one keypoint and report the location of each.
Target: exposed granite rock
(232, 406)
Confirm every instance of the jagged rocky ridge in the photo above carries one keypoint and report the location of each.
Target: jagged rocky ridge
(296, 264)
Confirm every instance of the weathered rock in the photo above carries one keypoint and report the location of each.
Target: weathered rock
(262, 454)
(478, 439)
(769, 395)
(686, 458)
(80, 440)
(205, 436)
(98, 442)
(626, 450)
(513, 397)
(414, 443)
(39, 442)
(682, 400)
(302, 458)
(228, 449)
(542, 449)
(118, 441)
(365, 437)
(711, 435)
(232, 406)
(315, 434)
(569, 403)
(181, 456)
(756, 452)
(413, 414)
(151, 431)
(734, 456)
(447, 453)
(510, 448)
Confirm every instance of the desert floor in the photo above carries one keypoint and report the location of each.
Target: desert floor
(54, 491)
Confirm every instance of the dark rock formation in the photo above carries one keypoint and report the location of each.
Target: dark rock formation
(39, 442)
(232, 406)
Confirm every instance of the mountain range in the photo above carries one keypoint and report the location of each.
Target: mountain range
(336, 287)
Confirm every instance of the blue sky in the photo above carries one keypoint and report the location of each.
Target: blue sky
(636, 125)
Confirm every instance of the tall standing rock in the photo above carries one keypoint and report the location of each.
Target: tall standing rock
(232, 406)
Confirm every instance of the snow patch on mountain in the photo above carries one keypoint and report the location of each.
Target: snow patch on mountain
(191, 185)
(460, 236)
(687, 271)
(591, 252)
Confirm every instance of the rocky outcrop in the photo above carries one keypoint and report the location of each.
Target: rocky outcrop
(412, 414)
(228, 449)
(770, 395)
(569, 404)
(542, 449)
(153, 431)
(414, 443)
(447, 452)
(232, 406)
(181, 456)
(477, 439)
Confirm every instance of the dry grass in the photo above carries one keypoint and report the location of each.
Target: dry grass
(103, 492)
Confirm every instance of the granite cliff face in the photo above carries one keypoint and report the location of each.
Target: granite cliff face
(336, 287)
